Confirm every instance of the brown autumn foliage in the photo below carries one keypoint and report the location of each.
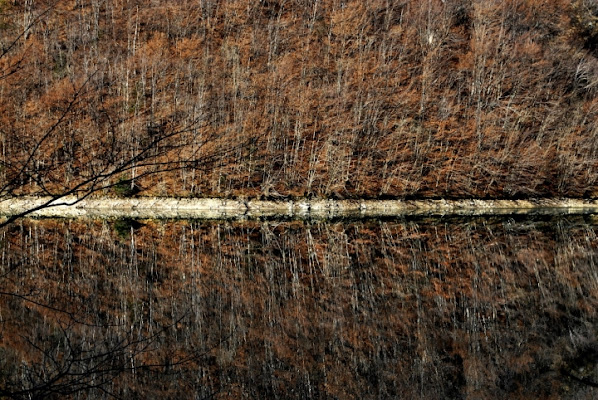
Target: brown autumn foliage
(436, 309)
(274, 98)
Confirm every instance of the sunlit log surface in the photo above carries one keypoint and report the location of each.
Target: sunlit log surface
(410, 308)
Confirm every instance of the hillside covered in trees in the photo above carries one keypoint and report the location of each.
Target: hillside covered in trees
(284, 98)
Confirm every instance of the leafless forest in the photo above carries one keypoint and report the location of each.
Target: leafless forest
(278, 99)
(286, 98)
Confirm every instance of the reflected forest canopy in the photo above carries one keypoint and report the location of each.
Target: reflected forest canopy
(427, 308)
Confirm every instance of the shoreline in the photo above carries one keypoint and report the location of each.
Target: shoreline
(214, 208)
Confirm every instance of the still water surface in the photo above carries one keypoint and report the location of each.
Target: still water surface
(363, 309)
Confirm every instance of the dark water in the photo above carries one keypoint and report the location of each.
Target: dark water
(426, 308)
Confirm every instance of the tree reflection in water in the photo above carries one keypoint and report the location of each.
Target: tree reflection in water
(431, 308)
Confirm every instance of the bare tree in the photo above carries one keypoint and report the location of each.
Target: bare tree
(84, 135)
